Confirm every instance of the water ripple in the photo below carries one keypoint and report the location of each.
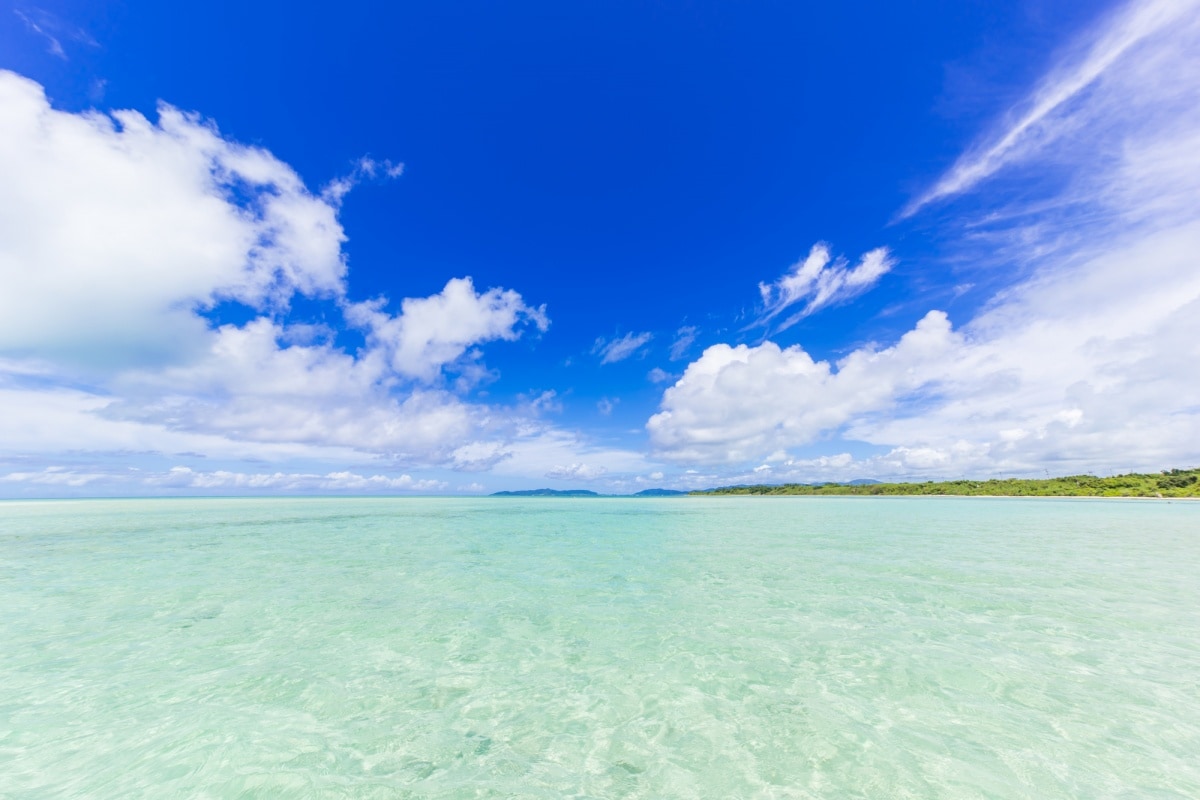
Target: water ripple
(706, 648)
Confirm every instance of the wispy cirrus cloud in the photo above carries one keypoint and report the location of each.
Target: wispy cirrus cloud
(53, 30)
(620, 349)
(820, 280)
(53, 45)
(685, 337)
(1049, 110)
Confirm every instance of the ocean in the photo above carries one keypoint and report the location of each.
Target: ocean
(735, 647)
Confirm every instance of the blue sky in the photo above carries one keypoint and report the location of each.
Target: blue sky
(465, 247)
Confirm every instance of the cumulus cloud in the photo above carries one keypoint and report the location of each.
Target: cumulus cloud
(740, 403)
(118, 234)
(431, 332)
(115, 230)
(819, 280)
(620, 349)
(246, 387)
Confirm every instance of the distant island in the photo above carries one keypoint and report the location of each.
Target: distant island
(587, 493)
(1168, 483)
(547, 493)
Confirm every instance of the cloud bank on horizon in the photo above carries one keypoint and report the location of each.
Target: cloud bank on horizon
(180, 314)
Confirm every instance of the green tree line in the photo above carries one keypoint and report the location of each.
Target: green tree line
(1168, 483)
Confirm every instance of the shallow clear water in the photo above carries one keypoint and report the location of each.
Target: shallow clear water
(715, 648)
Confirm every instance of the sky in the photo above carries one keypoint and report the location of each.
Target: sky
(462, 247)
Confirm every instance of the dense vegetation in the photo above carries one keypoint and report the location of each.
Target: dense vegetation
(1169, 483)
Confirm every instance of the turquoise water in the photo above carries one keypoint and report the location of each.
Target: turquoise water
(675, 648)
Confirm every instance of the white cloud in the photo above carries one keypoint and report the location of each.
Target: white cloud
(684, 338)
(248, 388)
(116, 233)
(1080, 369)
(581, 472)
(1083, 364)
(365, 167)
(54, 476)
(546, 450)
(741, 403)
(114, 230)
(620, 349)
(100, 481)
(42, 27)
(546, 402)
(431, 332)
(479, 456)
(44, 421)
(659, 375)
(1048, 112)
(606, 405)
(344, 481)
(819, 281)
